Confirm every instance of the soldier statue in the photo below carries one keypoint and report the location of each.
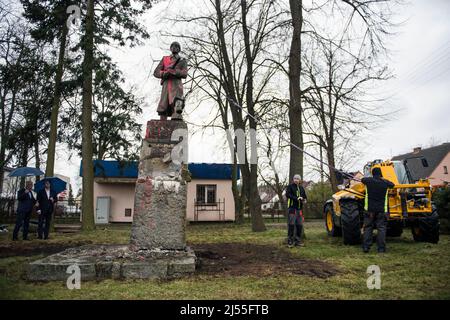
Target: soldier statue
(171, 70)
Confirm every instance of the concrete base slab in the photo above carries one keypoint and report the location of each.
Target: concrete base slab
(99, 262)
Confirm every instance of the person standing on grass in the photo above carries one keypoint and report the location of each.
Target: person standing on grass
(26, 204)
(46, 203)
(376, 208)
(296, 196)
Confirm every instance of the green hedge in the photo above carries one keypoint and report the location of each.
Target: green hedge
(441, 199)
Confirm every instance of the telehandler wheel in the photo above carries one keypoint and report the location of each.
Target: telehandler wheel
(330, 217)
(426, 229)
(351, 222)
(394, 228)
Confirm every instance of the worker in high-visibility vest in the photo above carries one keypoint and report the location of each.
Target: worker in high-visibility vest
(296, 196)
(376, 209)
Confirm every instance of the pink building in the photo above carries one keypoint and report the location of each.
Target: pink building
(209, 194)
(438, 160)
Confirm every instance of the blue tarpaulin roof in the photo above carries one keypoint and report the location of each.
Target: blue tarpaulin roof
(211, 170)
(129, 169)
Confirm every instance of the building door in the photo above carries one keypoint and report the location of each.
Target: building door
(102, 210)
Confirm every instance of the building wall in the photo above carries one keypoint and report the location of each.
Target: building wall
(438, 176)
(122, 197)
(10, 185)
(223, 192)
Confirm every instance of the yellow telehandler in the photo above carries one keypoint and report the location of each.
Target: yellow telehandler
(409, 206)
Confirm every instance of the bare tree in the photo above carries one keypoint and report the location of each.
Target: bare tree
(341, 67)
(295, 93)
(229, 57)
(13, 75)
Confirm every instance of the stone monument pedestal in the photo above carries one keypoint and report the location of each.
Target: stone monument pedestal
(160, 199)
(157, 246)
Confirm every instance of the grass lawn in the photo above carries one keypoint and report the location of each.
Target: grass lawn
(409, 270)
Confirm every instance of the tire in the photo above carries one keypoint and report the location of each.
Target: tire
(330, 221)
(351, 222)
(426, 229)
(394, 228)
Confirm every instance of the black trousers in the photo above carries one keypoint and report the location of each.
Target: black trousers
(44, 225)
(371, 220)
(22, 220)
(295, 225)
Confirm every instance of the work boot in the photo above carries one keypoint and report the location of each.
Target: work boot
(366, 250)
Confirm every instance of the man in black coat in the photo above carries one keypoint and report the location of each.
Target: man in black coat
(376, 206)
(46, 202)
(26, 204)
(296, 195)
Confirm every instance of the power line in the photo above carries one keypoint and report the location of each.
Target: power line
(261, 123)
(431, 65)
(422, 63)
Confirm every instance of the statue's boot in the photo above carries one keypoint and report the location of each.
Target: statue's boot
(176, 116)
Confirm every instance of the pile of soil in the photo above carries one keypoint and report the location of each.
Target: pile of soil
(233, 259)
(236, 259)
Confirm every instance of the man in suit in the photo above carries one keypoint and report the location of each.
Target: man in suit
(26, 204)
(46, 202)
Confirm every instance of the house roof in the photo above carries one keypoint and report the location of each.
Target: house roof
(266, 193)
(129, 169)
(212, 171)
(433, 155)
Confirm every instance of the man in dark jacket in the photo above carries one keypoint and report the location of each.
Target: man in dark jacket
(46, 202)
(296, 195)
(26, 204)
(376, 206)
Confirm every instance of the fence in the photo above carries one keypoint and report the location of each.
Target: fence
(66, 212)
(218, 207)
(272, 210)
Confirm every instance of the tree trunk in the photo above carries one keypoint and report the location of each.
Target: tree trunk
(230, 91)
(49, 170)
(37, 158)
(295, 108)
(238, 203)
(279, 191)
(3, 131)
(2, 170)
(23, 162)
(331, 163)
(87, 149)
(254, 198)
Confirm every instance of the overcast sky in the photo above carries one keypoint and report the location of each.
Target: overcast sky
(420, 59)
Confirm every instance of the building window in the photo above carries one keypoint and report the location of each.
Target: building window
(128, 212)
(445, 170)
(206, 193)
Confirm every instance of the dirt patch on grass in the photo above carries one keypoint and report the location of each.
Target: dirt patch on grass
(236, 259)
(32, 248)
